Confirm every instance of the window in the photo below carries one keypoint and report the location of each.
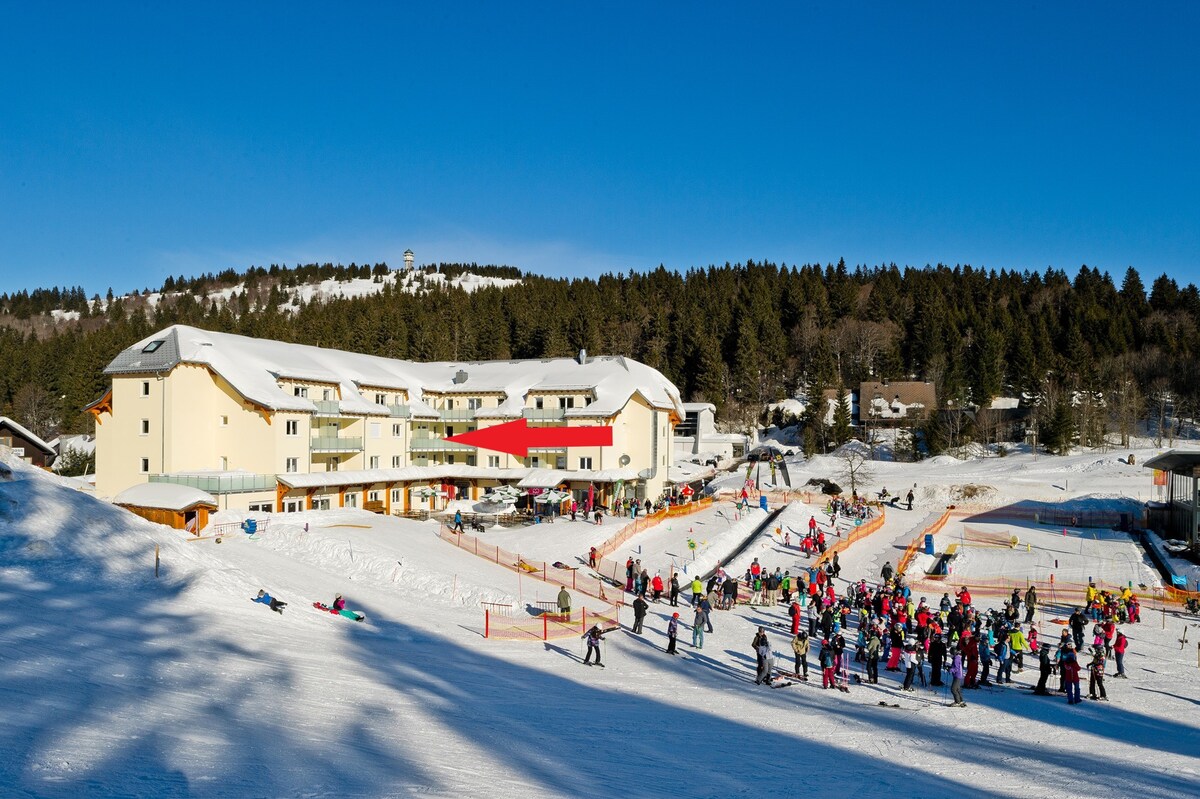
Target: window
(145, 427)
(373, 496)
(376, 430)
(224, 463)
(153, 346)
(224, 421)
(260, 507)
(397, 431)
(381, 399)
(396, 496)
(560, 462)
(449, 459)
(538, 402)
(585, 463)
(494, 461)
(332, 465)
(292, 427)
(351, 500)
(449, 404)
(395, 461)
(145, 388)
(562, 402)
(292, 465)
(374, 462)
(300, 391)
(474, 403)
(534, 461)
(449, 430)
(470, 460)
(326, 394)
(145, 466)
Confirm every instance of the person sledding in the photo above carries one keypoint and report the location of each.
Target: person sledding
(270, 601)
(339, 604)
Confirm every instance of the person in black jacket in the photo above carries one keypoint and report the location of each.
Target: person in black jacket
(760, 638)
(937, 656)
(639, 614)
(674, 590)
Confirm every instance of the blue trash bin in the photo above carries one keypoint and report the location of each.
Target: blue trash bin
(929, 543)
(250, 526)
(762, 502)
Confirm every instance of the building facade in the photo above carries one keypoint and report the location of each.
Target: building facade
(273, 426)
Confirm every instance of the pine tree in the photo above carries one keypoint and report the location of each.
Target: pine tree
(841, 430)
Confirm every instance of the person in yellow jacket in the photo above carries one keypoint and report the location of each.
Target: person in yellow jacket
(697, 591)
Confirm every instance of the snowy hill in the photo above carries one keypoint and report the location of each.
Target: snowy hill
(116, 683)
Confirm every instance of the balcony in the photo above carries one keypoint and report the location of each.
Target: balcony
(457, 415)
(336, 444)
(219, 483)
(544, 414)
(328, 408)
(399, 411)
(427, 443)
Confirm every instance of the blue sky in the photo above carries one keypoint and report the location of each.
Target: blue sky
(141, 140)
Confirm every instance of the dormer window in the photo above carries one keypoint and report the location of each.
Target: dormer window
(300, 391)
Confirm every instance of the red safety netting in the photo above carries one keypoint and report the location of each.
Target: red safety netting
(549, 626)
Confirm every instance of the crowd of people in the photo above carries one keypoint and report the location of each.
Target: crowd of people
(952, 642)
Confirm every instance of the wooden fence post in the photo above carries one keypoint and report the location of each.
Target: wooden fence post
(487, 622)
(545, 626)
(156, 561)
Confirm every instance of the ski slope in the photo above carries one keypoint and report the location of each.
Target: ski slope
(115, 683)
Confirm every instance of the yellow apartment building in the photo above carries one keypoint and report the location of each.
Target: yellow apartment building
(273, 426)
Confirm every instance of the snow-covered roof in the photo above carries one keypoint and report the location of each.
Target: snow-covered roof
(164, 496)
(253, 367)
(26, 434)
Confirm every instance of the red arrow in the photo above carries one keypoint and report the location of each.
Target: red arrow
(517, 437)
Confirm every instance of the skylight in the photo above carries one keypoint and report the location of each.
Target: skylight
(153, 345)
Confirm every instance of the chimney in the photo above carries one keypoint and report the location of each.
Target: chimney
(583, 356)
(460, 377)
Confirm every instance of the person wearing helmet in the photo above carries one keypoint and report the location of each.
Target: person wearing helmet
(672, 633)
(339, 604)
(1070, 668)
(270, 601)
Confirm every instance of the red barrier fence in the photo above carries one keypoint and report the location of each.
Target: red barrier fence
(535, 569)
(549, 626)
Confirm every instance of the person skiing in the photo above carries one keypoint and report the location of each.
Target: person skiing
(564, 601)
(910, 498)
(594, 636)
(640, 606)
(766, 663)
(270, 601)
(339, 604)
(874, 645)
(937, 654)
(887, 571)
(827, 660)
(1096, 674)
(1044, 669)
(908, 661)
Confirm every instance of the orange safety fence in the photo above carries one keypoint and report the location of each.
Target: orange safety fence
(638, 525)
(1048, 590)
(910, 551)
(535, 569)
(857, 534)
(548, 626)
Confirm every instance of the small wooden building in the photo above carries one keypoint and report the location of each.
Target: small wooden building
(24, 444)
(178, 506)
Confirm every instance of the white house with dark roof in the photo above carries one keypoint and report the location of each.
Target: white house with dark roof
(270, 425)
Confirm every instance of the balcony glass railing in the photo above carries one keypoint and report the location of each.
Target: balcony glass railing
(328, 407)
(337, 444)
(436, 445)
(219, 483)
(456, 414)
(400, 411)
(544, 414)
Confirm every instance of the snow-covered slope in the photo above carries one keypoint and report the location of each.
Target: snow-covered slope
(116, 683)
